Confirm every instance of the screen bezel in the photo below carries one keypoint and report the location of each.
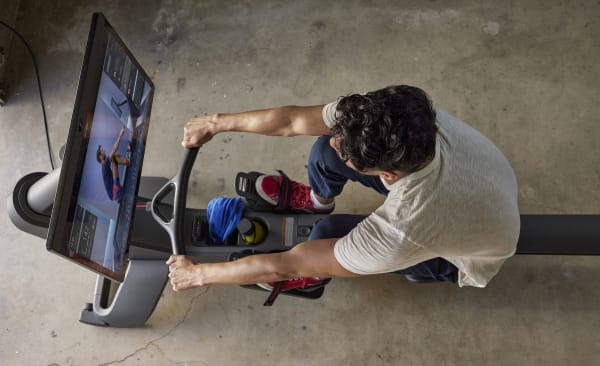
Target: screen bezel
(65, 201)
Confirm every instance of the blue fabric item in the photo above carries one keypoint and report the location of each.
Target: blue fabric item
(223, 215)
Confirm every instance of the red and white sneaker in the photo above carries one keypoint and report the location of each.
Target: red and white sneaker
(301, 282)
(268, 188)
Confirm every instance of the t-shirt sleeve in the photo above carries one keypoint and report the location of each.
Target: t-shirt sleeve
(375, 246)
(329, 114)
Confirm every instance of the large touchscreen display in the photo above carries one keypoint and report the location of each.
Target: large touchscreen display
(112, 163)
(94, 205)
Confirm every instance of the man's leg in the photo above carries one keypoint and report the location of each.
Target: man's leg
(327, 173)
(436, 269)
(334, 226)
(117, 189)
(114, 168)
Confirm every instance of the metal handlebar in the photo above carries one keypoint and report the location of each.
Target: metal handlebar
(179, 184)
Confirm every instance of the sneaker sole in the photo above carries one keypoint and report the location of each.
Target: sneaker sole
(265, 286)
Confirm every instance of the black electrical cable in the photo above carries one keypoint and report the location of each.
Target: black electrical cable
(37, 75)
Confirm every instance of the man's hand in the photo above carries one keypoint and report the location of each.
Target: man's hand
(199, 131)
(184, 273)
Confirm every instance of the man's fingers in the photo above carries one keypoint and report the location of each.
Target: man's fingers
(188, 143)
(174, 286)
(196, 132)
(172, 259)
(180, 272)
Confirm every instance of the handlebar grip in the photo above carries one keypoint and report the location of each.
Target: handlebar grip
(178, 184)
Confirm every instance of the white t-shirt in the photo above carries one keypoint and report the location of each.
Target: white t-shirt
(462, 207)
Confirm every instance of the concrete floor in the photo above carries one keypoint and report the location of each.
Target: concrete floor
(525, 73)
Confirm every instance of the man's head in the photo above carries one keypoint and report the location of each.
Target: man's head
(100, 154)
(391, 129)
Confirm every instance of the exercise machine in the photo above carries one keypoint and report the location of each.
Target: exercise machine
(156, 235)
(162, 224)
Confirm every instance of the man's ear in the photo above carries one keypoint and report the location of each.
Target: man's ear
(390, 175)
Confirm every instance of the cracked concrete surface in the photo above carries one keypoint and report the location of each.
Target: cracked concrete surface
(137, 357)
(523, 72)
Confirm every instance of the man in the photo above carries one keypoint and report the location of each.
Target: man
(451, 208)
(110, 168)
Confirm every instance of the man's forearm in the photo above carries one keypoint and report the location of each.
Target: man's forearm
(258, 268)
(308, 259)
(282, 121)
(116, 145)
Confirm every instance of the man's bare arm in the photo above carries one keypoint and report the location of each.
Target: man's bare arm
(309, 259)
(282, 121)
(116, 145)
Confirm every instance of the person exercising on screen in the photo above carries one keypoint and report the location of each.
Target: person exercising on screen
(110, 168)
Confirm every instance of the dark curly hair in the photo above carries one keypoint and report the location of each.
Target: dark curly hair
(388, 129)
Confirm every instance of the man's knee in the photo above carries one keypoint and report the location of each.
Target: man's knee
(323, 228)
(326, 172)
(334, 226)
(321, 152)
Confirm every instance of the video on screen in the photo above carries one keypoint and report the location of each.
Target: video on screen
(112, 165)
